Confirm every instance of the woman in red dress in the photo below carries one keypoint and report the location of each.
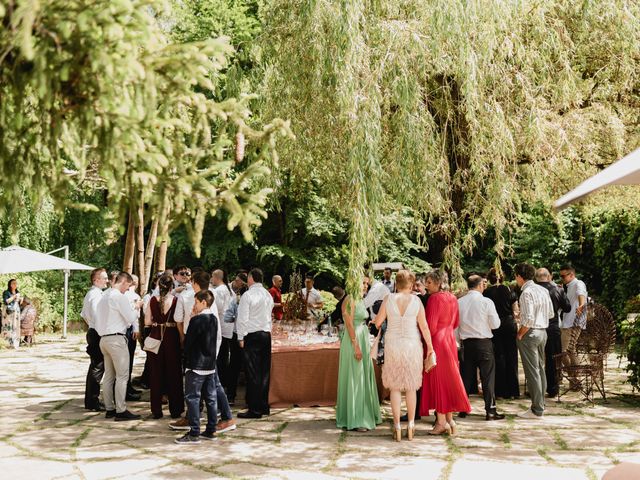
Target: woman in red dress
(442, 387)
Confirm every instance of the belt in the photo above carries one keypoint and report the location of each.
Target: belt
(167, 324)
(112, 334)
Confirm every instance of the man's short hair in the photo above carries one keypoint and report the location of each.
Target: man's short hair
(202, 279)
(309, 276)
(388, 269)
(95, 273)
(337, 291)
(257, 275)
(569, 267)
(113, 276)
(473, 281)
(177, 269)
(542, 275)
(205, 295)
(124, 277)
(525, 270)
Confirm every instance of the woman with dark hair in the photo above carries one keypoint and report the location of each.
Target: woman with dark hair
(28, 316)
(442, 387)
(504, 337)
(162, 315)
(11, 302)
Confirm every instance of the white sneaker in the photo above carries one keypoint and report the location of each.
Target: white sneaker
(529, 414)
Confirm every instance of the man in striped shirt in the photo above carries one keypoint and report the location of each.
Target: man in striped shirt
(535, 311)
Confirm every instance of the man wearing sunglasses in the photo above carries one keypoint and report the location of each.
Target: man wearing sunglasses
(574, 321)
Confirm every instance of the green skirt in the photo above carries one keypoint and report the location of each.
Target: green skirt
(357, 405)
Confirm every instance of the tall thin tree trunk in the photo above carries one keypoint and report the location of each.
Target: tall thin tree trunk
(139, 221)
(148, 261)
(129, 250)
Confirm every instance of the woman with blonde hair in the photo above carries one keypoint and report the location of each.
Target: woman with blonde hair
(403, 353)
(442, 387)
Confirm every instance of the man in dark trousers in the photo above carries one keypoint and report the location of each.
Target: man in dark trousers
(200, 346)
(554, 342)
(254, 334)
(99, 280)
(478, 317)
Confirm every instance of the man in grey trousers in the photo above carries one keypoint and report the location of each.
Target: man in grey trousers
(535, 311)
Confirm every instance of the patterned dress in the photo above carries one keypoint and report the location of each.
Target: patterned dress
(402, 369)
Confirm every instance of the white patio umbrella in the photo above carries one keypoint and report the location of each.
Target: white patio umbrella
(16, 259)
(624, 172)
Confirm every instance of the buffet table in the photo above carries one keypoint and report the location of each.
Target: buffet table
(306, 375)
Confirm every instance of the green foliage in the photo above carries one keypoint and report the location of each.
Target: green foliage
(94, 91)
(462, 110)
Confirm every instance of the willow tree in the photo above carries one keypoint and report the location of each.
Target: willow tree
(93, 91)
(461, 109)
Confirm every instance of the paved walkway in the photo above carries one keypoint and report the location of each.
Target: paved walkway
(46, 434)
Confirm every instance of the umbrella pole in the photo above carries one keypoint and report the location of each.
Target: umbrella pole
(66, 294)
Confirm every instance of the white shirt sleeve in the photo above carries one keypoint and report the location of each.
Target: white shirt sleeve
(243, 316)
(122, 304)
(179, 314)
(492, 313)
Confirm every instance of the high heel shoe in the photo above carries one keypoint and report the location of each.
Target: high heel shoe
(397, 434)
(411, 431)
(440, 429)
(453, 426)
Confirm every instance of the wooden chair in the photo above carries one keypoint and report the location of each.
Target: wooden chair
(591, 348)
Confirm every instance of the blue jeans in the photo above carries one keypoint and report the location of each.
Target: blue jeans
(195, 385)
(225, 410)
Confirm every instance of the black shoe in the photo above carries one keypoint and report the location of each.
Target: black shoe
(133, 391)
(208, 435)
(187, 439)
(110, 414)
(96, 408)
(462, 414)
(249, 414)
(494, 416)
(132, 397)
(125, 416)
(405, 417)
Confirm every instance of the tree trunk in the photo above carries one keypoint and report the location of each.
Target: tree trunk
(129, 250)
(139, 221)
(148, 261)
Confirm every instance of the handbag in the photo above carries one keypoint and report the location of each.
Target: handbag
(153, 344)
(430, 362)
(374, 347)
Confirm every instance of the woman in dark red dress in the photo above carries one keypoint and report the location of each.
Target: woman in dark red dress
(442, 387)
(166, 365)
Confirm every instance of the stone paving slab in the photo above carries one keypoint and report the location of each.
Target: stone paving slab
(46, 434)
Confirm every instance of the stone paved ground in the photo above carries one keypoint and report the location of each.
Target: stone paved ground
(46, 434)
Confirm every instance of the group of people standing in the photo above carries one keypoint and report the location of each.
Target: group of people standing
(19, 316)
(198, 330)
(436, 345)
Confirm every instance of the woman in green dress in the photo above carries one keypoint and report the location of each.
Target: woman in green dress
(358, 407)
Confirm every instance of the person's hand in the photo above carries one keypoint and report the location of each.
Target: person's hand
(579, 309)
(358, 352)
(139, 304)
(180, 289)
(241, 343)
(136, 335)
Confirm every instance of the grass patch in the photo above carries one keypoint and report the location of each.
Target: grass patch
(504, 438)
(591, 475)
(543, 453)
(280, 427)
(76, 443)
(557, 438)
(46, 415)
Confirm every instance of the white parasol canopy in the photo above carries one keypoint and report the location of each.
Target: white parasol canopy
(624, 172)
(16, 259)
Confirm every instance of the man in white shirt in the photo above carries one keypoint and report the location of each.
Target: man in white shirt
(386, 280)
(229, 359)
(114, 316)
(376, 293)
(133, 334)
(478, 316)
(254, 334)
(536, 309)
(99, 280)
(574, 321)
(312, 298)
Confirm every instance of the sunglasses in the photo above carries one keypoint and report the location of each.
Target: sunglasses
(186, 274)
